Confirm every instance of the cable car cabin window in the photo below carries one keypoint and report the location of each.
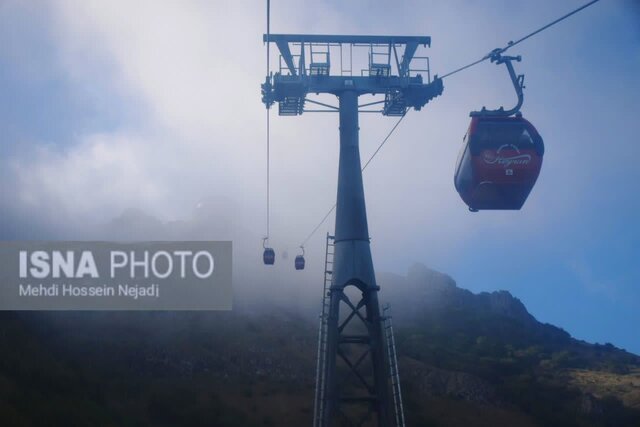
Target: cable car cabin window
(463, 176)
(495, 134)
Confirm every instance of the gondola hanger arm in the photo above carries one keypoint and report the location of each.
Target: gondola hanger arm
(517, 80)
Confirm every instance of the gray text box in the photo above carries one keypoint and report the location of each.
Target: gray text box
(191, 275)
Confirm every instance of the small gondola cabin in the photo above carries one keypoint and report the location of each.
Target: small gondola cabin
(269, 256)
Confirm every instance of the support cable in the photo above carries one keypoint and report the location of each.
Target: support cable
(384, 141)
(268, 129)
(484, 58)
(512, 43)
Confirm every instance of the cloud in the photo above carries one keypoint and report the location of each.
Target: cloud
(162, 110)
(184, 78)
(99, 169)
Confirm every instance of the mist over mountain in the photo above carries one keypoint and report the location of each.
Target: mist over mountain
(424, 291)
(488, 349)
(147, 107)
(465, 359)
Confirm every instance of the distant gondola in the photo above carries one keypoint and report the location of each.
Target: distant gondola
(299, 261)
(269, 256)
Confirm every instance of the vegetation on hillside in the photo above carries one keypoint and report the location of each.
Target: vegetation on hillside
(465, 360)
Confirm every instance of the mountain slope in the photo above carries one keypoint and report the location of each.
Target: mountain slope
(513, 359)
(465, 359)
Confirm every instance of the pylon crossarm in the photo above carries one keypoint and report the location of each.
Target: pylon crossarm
(409, 51)
(300, 75)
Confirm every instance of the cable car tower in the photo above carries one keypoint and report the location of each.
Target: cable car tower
(306, 68)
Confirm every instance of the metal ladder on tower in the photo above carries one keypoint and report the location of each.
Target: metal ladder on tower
(318, 408)
(393, 367)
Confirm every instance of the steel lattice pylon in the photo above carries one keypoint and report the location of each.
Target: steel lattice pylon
(353, 266)
(354, 374)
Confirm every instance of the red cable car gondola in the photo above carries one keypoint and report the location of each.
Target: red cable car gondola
(502, 156)
(499, 163)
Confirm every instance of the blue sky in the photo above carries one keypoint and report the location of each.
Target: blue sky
(109, 106)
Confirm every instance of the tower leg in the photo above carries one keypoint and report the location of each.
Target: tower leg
(359, 356)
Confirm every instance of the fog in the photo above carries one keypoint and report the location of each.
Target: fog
(154, 107)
